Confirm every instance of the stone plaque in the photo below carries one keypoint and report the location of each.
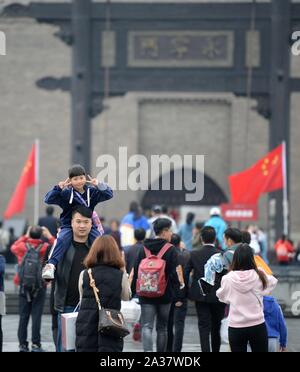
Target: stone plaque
(180, 48)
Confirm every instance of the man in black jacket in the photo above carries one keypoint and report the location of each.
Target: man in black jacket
(66, 296)
(210, 311)
(160, 306)
(178, 309)
(133, 251)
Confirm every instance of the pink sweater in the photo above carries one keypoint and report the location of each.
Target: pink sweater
(244, 292)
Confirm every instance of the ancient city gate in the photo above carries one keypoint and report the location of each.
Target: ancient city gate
(239, 48)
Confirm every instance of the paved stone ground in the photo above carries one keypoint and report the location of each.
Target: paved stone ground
(191, 337)
(190, 342)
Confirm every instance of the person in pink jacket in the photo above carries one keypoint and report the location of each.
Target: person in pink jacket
(243, 289)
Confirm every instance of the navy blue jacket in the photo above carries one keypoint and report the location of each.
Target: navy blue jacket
(2, 271)
(69, 198)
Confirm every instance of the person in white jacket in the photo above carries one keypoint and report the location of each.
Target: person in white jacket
(243, 289)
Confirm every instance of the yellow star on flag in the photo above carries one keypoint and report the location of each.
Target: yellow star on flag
(264, 167)
(27, 167)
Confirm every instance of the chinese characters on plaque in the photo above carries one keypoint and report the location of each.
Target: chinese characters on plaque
(180, 48)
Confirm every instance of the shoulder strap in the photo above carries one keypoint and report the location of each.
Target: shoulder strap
(161, 252)
(40, 246)
(95, 289)
(147, 252)
(28, 246)
(164, 249)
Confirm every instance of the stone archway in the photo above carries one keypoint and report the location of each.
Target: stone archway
(213, 194)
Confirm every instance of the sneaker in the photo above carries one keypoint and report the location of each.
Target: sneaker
(23, 348)
(37, 349)
(136, 334)
(48, 272)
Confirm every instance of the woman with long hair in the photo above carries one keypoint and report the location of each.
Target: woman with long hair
(108, 271)
(243, 289)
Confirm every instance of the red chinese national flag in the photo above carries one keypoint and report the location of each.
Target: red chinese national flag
(27, 179)
(266, 175)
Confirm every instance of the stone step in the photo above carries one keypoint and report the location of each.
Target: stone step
(12, 304)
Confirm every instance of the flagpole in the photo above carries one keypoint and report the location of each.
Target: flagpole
(37, 181)
(285, 192)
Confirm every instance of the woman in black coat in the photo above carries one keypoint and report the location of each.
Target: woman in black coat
(108, 271)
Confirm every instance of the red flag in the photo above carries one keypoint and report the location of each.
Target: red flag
(264, 176)
(27, 179)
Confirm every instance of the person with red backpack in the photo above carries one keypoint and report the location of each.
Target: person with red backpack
(284, 251)
(30, 251)
(156, 283)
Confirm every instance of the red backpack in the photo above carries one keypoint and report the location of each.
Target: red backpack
(151, 281)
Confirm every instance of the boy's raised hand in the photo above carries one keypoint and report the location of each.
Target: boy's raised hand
(92, 181)
(65, 183)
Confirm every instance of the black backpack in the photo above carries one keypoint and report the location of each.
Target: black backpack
(30, 269)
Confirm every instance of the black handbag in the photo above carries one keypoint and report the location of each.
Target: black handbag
(197, 289)
(111, 321)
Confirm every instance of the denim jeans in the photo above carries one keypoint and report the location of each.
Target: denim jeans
(149, 313)
(31, 305)
(273, 345)
(67, 309)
